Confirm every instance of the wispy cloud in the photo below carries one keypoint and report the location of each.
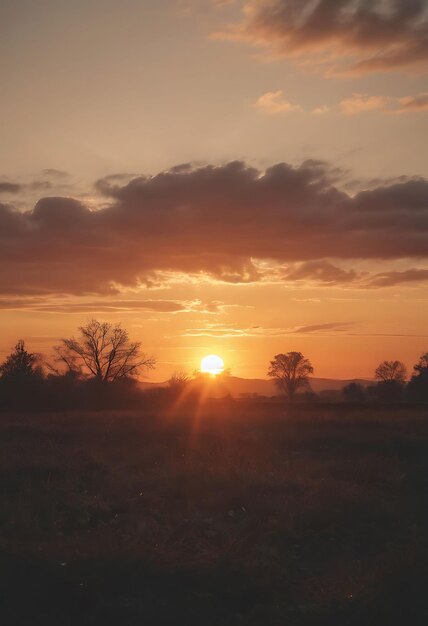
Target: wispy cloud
(321, 110)
(223, 332)
(391, 279)
(418, 104)
(360, 103)
(321, 272)
(274, 103)
(116, 306)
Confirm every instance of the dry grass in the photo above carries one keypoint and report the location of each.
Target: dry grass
(238, 515)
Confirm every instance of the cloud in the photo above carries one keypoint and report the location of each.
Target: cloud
(326, 273)
(418, 104)
(42, 304)
(53, 178)
(39, 185)
(53, 173)
(272, 102)
(391, 279)
(6, 187)
(358, 103)
(321, 110)
(214, 221)
(316, 328)
(377, 36)
(320, 271)
(223, 332)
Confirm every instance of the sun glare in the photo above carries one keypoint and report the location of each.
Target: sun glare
(212, 364)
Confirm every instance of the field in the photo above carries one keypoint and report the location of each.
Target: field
(238, 514)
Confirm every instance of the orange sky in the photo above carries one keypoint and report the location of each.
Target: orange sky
(239, 178)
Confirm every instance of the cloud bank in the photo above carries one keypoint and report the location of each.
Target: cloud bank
(211, 220)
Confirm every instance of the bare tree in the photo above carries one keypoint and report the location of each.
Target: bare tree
(391, 371)
(291, 372)
(103, 351)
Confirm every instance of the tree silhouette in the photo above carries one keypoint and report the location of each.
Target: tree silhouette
(418, 385)
(391, 377)
(178, 381)
(354, 392)
(391, 371)
(104, 352)
(20, 365)
(422, 366)
(291, 372)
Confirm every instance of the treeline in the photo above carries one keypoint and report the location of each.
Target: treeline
(292, 371)
(393, 384)
(98, 369)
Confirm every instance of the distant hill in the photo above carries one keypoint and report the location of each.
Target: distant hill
(236, 386)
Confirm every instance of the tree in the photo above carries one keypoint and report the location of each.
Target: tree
(354, 392)
(291, 372)
(21, 379)
(391, 377)
(422, 366)
(20, 365)
(391, 371)
(418, 385)
(178, 381)
(104, 352)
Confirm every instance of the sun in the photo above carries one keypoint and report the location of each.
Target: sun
(212, 364)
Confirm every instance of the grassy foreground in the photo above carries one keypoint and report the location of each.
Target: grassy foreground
(236, 515)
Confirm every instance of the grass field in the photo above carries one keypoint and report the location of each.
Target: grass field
(240, 514)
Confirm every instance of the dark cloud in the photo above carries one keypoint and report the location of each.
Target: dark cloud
(56, 213)
(6, 187)
(34, 186)
(376, 35)
(326, 273)
(215, 220)
(316, 328)
(391, 279)
(321, 271)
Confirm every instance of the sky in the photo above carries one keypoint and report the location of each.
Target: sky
(233, 177)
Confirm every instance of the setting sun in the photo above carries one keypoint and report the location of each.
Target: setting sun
(212, 364)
